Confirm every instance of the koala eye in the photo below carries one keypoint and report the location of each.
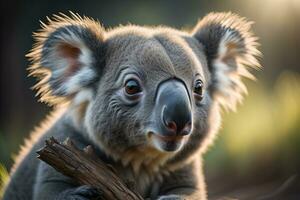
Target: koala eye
(132, 87)
(198, 90)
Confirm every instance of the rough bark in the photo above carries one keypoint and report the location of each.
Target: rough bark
(84, 167)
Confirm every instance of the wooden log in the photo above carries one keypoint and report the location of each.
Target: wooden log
(84, 167)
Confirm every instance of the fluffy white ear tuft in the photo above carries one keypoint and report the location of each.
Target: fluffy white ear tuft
(230, 48)
(67, 56)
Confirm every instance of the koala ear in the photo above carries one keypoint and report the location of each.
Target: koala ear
(67, 56)
(230, 48)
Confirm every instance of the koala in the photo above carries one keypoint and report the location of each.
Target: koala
(148, 99)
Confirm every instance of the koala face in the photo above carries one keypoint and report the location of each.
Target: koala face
(152, 92)
(146, 88)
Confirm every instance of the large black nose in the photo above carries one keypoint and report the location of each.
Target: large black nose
(175, 108)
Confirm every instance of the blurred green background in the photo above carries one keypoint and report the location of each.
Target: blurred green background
(258, 148)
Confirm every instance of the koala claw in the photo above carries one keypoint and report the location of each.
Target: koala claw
(170, 197)
(84, 192)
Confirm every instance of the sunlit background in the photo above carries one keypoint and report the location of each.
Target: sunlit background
(257, 152)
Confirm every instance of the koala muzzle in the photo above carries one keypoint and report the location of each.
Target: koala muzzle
(173, 109)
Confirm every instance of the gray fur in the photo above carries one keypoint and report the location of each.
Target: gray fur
(98, 113)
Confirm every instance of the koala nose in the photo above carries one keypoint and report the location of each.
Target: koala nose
(176, 114)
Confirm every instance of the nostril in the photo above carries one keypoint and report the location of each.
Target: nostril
(186, 129)
(168, 123)
(172, 126)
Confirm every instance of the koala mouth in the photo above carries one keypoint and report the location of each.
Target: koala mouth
(167, 143)
(169, 138)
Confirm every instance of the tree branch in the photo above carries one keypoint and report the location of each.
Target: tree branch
(86, 169)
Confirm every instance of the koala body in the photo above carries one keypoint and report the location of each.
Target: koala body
(148, 99)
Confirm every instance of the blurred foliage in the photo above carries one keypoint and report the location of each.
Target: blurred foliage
(3, 178)
(262, 137)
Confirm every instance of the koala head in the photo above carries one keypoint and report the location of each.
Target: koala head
(145, 88)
